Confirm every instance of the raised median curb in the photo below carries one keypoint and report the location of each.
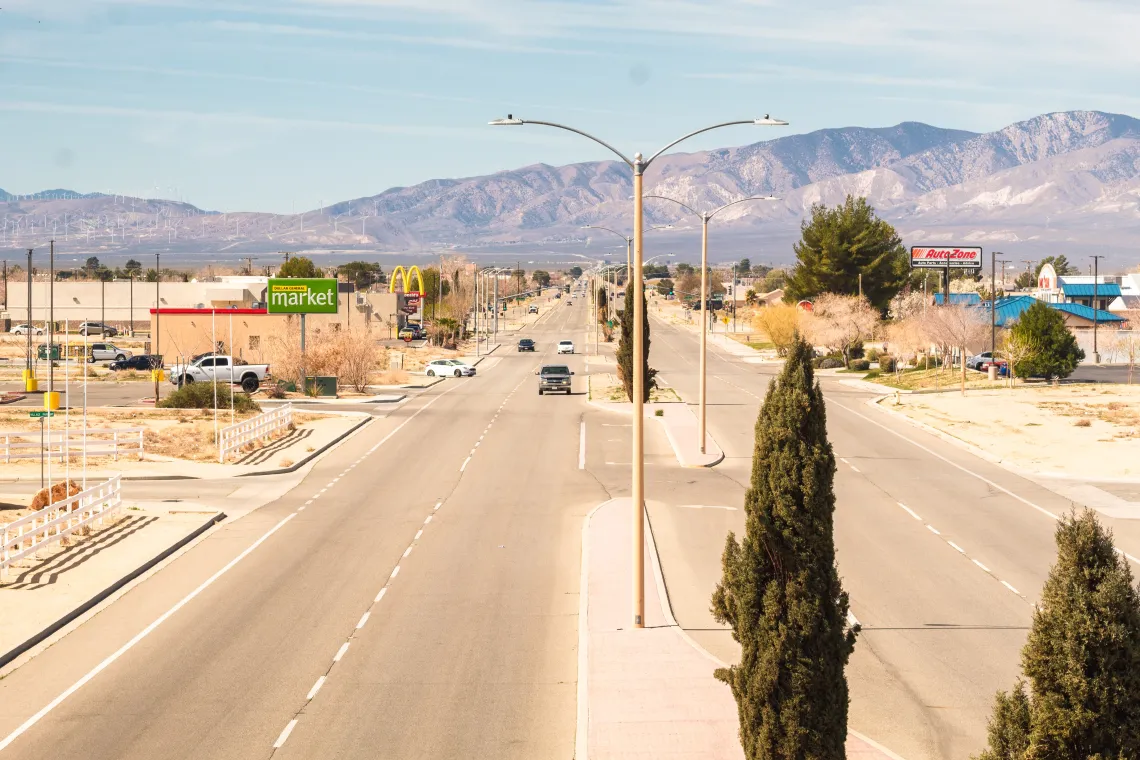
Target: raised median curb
(680, 426)
(649, 692)
(50, 630)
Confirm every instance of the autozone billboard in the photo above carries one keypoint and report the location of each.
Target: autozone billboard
(952, 256)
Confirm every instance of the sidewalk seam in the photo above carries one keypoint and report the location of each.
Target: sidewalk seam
(100, 597)
(582, 728)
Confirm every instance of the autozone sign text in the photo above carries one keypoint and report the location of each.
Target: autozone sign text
(940, 258)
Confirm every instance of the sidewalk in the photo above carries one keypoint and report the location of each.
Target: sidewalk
(680, 424)
(648, 693)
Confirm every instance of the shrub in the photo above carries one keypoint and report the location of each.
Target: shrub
(860, 365)
(855, 350)
(872, 354)
(201, 396)
(888, 363)
(827, 362)
(1057, 353)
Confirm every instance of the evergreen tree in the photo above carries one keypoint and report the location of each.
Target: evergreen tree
(839, 244)
(1082, 658)
(1057, 353)
(298, 266)
(625, 346)
(781, 592)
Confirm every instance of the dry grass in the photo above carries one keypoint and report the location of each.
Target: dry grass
(1083, 422)
(391, 377)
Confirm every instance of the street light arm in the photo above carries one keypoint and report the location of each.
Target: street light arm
(693, 134)
(587, 135)
(626, 238)
(714, 212)
(682, 205)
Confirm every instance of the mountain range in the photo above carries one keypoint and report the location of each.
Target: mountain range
(1063, 182)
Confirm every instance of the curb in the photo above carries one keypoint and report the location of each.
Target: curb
(311, 456)
(47, 632)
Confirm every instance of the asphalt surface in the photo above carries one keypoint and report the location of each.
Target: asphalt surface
(943, 554)
(464, 505)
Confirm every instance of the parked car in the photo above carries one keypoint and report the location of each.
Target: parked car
(558, 294)
(526, 344)
(102, 352)
(219, 368)
(445, 367)
(23, 330)
(97, 328)
(554, 377)
(982, 361)
(411, 332)
(565, 346)
(142, 362)
(533, 309)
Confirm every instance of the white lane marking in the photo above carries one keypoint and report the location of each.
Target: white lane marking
(959, 548)
(481, 438)
(395, 572)
(407, 551)
(705, 506)
(661, 381)
(307, 503)
(465, 461)
(427, 519)
(322, 491)
(340, 652)
(853, 467)
(910, 511)
(933, 530)
(301, 508)
(419, 533)
(1011, 588)
(380, 596)
(979, 564)
(363, 620)
(316, 687)
(582, 446)
(438, 504)
(851, 619)
(284, 734)
(472, 452)
(139, 636)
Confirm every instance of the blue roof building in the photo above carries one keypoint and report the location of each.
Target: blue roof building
(1076, 315)
(958, 299)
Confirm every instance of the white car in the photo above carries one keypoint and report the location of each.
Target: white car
(565, 346)
(23, 330)
(446, 367)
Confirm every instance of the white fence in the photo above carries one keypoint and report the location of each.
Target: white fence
(233, 437)
(39, 530)
(27, 444)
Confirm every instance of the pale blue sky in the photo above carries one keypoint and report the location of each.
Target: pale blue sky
(262, 104)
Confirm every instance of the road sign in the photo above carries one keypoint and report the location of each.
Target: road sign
(724, 320)
(301, 295)
(955, 257)
(41, 414)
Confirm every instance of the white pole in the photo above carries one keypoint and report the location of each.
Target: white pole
(66, 415)
(214, 351)
(84, 410)
(231, 367)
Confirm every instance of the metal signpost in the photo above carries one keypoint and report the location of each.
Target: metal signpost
(945, 258)
(301, 295)
(40, 415)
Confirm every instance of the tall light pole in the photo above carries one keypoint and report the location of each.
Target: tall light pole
(638, 164)
(156, 372)
(1096, 278)
(705, 217)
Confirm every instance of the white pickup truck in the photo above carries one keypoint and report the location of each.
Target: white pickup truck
(211, 367)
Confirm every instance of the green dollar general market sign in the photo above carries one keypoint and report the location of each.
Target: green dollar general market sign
(298, 295)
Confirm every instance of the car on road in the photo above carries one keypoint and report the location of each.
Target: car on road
(102, 352)
(554, 377)
(533, 309)
(526, 344)
(142, 362)
(446, 367)
(982, 361)
(97, 328)
(558, 294)
(219, 368)
(24, 330)
(565, 346)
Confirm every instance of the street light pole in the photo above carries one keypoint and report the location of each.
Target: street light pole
(156, 371)
(1096, 278)
(705, 217)
(637, 485)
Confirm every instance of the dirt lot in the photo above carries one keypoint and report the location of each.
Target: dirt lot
(1089, 431)
(605, 386)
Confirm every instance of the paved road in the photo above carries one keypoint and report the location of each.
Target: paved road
(943, 553)
(463, 506)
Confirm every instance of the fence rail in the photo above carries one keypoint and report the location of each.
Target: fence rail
(55, 522)
(115, 442)
(233, 437)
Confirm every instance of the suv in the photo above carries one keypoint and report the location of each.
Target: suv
(533, 309)
(97, 328)
(140, 362)
(554, 377)
(526, 344)
(411, 332)
(99, 352)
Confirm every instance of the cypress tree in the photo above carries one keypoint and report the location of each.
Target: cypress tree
(781, 592)
(1082, 658)
(625, 346)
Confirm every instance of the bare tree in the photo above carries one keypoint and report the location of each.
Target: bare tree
(1015, 349)
(906, 339)
(1127, 343)
(960, 327)
(907, 304)
(840, 322)
(780, 323)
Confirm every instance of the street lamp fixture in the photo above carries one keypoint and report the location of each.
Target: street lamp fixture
(638, 164)
(705, 217)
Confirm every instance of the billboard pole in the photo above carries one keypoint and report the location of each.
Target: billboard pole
(302, 352)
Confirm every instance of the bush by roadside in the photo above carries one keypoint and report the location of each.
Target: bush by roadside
(202, 396)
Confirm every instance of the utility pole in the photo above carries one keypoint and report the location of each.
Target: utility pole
(1028, 266)
(1096, 276)
(1003, 263)
(51, 400)
(156, 372)
(993, 303)
(132, 304)
(5, 283)
(29, 373)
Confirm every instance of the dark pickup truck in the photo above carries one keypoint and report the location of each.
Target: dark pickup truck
(554, 377)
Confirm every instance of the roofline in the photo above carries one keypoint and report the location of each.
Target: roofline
(208, 311)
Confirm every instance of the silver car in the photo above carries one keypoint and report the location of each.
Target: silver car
(106, 352)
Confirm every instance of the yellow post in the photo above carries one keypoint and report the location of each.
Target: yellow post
(51, 401)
